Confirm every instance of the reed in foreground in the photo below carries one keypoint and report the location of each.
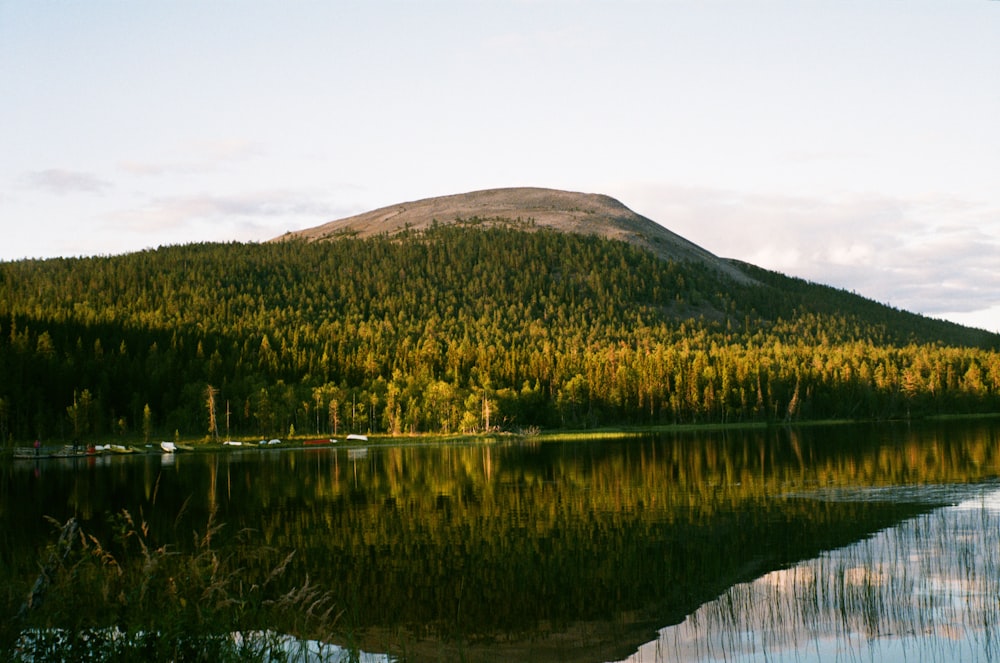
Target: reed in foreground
(134, 600)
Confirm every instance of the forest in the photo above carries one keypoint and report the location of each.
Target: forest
(462, 328)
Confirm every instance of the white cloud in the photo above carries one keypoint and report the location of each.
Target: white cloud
(929, 254)
(60, 181)
(254, 215)
(988, 319)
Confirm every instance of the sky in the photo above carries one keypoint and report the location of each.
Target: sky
(854, 143)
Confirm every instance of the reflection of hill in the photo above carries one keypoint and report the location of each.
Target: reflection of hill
(469, 571)
(611, 580)
(521, 549)
(924, 590)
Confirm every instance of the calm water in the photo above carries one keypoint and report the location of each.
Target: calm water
(839, 543)
(926, 589)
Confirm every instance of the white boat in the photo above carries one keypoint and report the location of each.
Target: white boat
(357, 437)
(232, 443)
(168, 447)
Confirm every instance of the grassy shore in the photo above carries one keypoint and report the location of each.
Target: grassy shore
(624, 432)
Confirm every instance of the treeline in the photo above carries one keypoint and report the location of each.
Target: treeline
(460, 328)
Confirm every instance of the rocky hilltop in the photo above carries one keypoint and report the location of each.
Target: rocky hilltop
(563, 211)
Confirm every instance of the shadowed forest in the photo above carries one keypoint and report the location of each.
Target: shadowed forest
(462, 328)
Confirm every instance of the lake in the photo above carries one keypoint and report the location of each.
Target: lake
(849, 542)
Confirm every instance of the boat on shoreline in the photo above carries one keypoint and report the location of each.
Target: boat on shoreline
(165, 447)
(65, 451)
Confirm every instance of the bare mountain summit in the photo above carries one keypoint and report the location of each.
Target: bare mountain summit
(563, 211)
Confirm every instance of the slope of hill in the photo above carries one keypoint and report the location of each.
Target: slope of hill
(528, 209)
(455, 327)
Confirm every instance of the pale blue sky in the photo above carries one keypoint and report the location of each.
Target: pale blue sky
(854, 143)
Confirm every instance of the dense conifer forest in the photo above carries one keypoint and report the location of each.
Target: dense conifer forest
(462, 328)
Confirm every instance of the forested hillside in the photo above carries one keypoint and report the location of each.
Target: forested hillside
(463, 327)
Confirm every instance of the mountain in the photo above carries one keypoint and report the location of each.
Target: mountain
(528, 209)
(517, 309)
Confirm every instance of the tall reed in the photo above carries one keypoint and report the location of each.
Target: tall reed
(928, 589)
(132, 599)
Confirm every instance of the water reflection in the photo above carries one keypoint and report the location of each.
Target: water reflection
(540, 551)
(927, 589)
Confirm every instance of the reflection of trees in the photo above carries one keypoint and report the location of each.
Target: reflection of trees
(584, 531)
(927, 587)
(497, 538)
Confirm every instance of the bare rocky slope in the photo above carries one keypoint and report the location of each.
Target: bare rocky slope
(564, 211)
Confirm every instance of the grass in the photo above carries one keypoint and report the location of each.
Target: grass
(135, 600)
(629, 432)
(929, 587)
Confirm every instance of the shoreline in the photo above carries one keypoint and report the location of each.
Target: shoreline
(200, 445)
